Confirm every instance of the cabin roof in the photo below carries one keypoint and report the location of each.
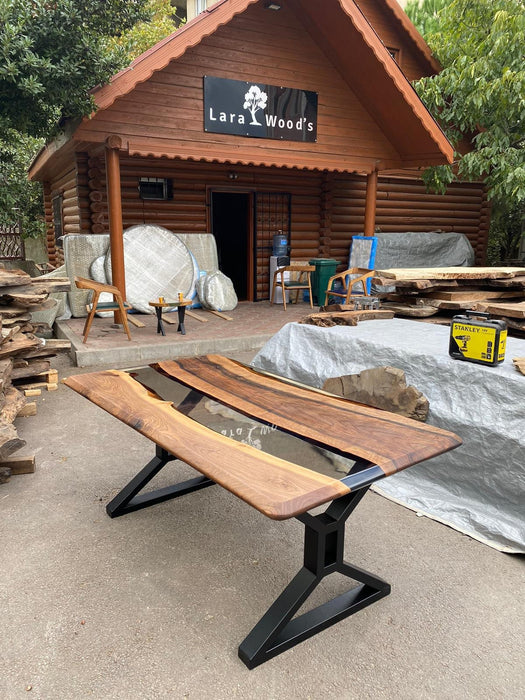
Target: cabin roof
(345, 36)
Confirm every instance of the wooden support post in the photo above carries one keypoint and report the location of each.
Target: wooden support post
(370, 204)
(116, 241)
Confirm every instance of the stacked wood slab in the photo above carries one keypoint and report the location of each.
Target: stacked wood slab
(23, 356)
(448, 291)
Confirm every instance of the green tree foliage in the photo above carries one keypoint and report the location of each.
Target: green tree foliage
(161, 23)
(480, 96)
(51, 54)
(20, 200)
(425, 14)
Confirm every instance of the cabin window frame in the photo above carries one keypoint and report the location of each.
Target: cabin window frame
(395, 53)
(162, 192)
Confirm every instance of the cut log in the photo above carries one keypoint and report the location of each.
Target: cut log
(519, 363)
(9, 439)
(11, 310)
(471, 294)
(445, 273)
(414, 300)
(514, 323)
(345, 318)
(381, 387)
(19, 465)
(416, 284)
(502, 309)
(28, 410)
(411, 311)
(8, 333)
(48, 285)
(13, 277)
(451, 305)
(16, 320)
(21, 344)
(14, 402)
(6, 369)
(5, 475)
(27, 299)
(513, 283)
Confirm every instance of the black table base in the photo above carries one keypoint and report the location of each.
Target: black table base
(181, 312)
(323, 555)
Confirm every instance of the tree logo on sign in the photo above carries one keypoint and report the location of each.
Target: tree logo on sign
(254, 100)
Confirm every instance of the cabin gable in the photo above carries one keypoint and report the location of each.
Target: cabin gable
(399, 35)
(164, 115)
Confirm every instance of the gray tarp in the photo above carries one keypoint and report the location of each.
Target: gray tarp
(478, 488)
(422, 250)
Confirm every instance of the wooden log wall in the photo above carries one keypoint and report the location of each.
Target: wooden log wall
(72, 185)
(327, 209)
(403, 205)
(82, 160)
(188, 211)
(50, 229)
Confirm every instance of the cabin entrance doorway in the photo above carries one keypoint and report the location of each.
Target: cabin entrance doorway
(244, 224)
(231, 224)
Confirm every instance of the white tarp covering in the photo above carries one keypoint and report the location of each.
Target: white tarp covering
(158, 264)
(478, 488)
(79, 252)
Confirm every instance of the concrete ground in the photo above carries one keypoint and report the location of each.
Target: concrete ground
(154, 604)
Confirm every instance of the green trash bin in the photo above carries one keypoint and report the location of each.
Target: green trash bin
(324, 269)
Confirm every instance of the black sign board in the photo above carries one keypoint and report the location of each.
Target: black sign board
(259, 110)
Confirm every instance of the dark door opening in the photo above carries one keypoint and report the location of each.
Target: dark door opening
(231, 226)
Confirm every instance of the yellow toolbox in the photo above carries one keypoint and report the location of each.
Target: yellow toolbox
(476, 337)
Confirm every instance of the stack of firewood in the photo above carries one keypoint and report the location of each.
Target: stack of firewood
(444, 292)
(25, 364)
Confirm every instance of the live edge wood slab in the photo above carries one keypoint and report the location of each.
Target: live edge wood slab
(380, 443)
(274, 486)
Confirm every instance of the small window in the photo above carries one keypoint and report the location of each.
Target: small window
(155, 188)
(57, 219)
(394, 53)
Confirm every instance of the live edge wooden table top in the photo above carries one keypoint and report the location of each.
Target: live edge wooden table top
(376, 442)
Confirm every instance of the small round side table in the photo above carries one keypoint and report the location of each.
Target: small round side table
(181, 309)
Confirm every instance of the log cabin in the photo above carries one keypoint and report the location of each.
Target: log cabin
(256, 118)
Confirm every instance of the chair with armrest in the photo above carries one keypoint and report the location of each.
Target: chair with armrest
(355, 276)
(117, 305)
(286, 278)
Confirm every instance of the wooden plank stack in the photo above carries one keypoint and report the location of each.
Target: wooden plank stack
(24, 358)
(427, 292)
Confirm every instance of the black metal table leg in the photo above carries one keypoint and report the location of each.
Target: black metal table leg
(160, 325)
(129, 499)
(323, 554)
(181, 310)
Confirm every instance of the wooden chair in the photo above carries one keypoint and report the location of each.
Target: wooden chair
(118, 304)
(301, 281)
(349, 278)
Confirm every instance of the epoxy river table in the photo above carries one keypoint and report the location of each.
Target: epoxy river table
(376, 442)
